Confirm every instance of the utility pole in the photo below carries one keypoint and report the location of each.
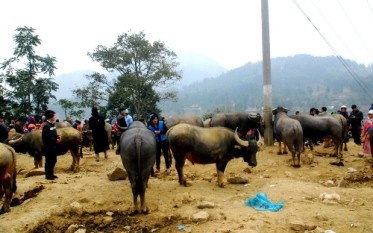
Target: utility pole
(267, 81)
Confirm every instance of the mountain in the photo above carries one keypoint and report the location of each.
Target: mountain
(196, 67)
(298, 83)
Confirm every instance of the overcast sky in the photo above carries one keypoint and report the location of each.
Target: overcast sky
(228, 31)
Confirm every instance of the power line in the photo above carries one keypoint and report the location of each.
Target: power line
(337, 35)
(370, 7)
(357, 33)
(339, 57)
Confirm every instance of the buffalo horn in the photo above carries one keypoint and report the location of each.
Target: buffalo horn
(260, 139)
(15, 141)
(240, 142)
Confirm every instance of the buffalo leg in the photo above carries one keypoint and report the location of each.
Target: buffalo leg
(7, 189)
(179, 165)
(144, 208)
(220, 168)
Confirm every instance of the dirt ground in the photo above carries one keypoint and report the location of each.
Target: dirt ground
(87, 201)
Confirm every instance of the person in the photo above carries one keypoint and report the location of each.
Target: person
(123, 121)
(31, 123)
(159, 129)
(4, 133)
(79, 126)
(100, 141)
(364, 136)
(50, 141)
(355, 118)
(76, 124)
(371, 107)
(297, 113)
(314, 111)
(17, 126)
(323, 111)
(343, 111)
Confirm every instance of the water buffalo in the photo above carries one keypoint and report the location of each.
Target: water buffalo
(138, 151)
(343, 121)
(317, 128)
(208, 145)
(63, 124)
(32, 143)
(7, 175)
(243, 121)
(174, 120)
(290, 132)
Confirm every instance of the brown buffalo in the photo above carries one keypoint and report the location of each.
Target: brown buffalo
(174, 120)
(7, 175)
(32, 143)
(208, 145)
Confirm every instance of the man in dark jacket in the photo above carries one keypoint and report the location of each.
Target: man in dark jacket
(4, 132)
(100, 138)
(50, 140)
(355, 118)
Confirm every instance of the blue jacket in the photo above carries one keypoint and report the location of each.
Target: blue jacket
(161, 127)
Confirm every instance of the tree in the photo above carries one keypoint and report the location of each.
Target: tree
(144, 70)
(67, 106)
(29, 90)
(94, 93)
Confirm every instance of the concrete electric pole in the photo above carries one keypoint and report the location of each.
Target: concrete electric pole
(267, 81)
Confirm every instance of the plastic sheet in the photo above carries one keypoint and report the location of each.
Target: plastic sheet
(261, 203)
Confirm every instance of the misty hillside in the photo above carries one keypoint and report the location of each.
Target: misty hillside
(298, 83)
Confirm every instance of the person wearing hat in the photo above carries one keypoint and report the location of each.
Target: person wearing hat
(343, 111)
(367, 129)
(50, 140)
(355, 118)
(100, 138)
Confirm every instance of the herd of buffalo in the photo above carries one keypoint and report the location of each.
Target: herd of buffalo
(217, 140)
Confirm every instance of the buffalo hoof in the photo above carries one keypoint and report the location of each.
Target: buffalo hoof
(134, 212)
(146, 211)
(187, 183)
(296, 166)
(339, 164)
(4, 210)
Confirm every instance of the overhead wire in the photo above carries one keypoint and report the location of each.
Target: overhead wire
(357, 33)
(337, 35)
(338, 56)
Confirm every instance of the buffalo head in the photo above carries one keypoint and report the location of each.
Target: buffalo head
(249, 147)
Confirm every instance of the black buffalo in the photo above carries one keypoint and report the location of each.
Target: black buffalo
(289, 131)
(243, 121)
(208, 145)
(317, 128)
(138, 151)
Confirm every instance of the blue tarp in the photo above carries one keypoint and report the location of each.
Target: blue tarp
(261, 203)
